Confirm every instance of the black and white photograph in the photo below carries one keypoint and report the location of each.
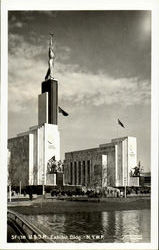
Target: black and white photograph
(79, 127)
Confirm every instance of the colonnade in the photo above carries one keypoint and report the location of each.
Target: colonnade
(80, 172)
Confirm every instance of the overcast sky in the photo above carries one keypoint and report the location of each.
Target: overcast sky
(103, 66)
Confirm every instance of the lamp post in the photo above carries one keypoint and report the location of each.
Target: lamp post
(20, 187)
(43, 189)
(125, 187)
(10, 192)
(43, 180)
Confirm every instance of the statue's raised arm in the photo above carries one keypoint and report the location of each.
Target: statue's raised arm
(49, 74)
(51, 39)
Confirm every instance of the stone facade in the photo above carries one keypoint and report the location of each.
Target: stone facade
(51, 179)
(88, 168)
(108, 165)
(85, 167)
(30, 152)
(18, 162)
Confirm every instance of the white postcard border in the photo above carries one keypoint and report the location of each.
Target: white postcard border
(79, 5)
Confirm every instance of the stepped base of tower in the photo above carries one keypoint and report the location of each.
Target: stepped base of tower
(30, 153)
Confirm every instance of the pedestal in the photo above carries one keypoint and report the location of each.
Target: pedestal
(44, 144)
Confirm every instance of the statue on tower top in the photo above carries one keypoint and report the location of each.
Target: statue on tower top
(49, 74)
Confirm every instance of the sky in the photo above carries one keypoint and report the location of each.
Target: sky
(103, 68)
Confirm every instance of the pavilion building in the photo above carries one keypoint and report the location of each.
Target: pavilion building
(110, 164)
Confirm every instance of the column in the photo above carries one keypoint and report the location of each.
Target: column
(73, 174)
(79, 172)
(88, 172)
(86, 167)
(31, 159)
(123, 165)
(90, 179)
(83, 173)
(43, 108)
(77, 182)
(116, 165)
(104, 171)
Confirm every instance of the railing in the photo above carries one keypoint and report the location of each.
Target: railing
(31, 232)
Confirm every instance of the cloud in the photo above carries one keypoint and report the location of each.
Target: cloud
(114, 42)
(26, 73)
(98, 89)
(13, 22)
(22, 49)
(18, 24)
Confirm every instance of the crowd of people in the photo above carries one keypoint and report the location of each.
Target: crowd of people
(90, 193)
(105, 192)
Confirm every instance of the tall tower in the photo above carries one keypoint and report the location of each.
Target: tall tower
(48, 100)
(32, 151)
(49, 141)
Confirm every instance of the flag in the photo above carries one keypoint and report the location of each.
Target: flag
(120, 123)
(63, 112)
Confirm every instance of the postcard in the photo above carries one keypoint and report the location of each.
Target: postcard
(79, 125)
